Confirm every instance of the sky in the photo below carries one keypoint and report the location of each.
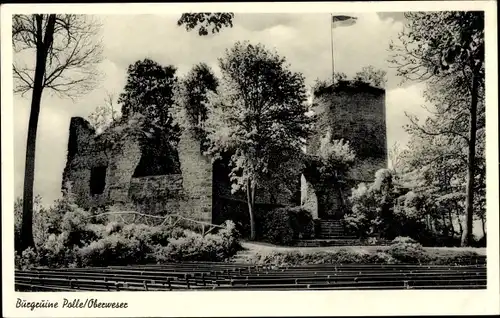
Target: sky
(303, 39)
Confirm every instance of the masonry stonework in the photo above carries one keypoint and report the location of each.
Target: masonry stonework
(196, 171)
(202, 189)
(354, 112)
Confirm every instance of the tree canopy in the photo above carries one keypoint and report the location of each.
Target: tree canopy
(206, 22)
(259, 111)
(149, 91)
(446, 50)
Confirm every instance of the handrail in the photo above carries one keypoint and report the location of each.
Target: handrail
(166, 217)
(129, 212)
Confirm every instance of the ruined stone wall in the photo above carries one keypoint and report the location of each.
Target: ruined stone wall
(190, 193)
(158, 194)
(83, 155)
(196, 171)
(308, 198)
(120, 159)
(123, 161)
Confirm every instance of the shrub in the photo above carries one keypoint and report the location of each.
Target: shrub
(407, 252)
(75, 224)
(27, 259)
(113, 227)
(458, 258)
(230, 236)
(379, 258)
(149, 235)
(302, 223)
(341, 256)
(345, 256)
(277, 228)
(284, 225)
(403, 239)
(195, 247)
(114, 250)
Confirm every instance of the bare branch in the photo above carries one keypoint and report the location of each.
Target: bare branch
(434, 133)
(71, 58)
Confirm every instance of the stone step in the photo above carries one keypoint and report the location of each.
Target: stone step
(329, 242)
(338, 237)
(331, 228)
(332, 233)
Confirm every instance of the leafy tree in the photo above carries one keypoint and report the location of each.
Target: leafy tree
(370, 75)
(65, 52)
(258, 112)
(149, 91)
(333, 161)
(104, 115)
(386, 209)
(206, 21)
(192, 96)
(437, 161)
(336, 156)
(446, 49)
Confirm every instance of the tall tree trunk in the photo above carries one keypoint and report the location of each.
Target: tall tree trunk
(445, 226)
(471, 158)
(452, 226)
(483, 225)
(251, 206)
(460, 226)
(44, 42)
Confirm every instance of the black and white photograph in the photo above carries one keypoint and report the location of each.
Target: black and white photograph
(182, 151)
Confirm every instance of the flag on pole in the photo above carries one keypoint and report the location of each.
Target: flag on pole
(342, 20)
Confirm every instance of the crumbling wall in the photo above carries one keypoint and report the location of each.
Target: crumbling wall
(308, 198)
(158, 194)
(83, 155)
(122, 163)
(196, 171)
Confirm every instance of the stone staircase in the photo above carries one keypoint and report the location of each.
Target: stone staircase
(330, 233)
(332, 229)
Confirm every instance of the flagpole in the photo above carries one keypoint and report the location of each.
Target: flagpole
(331, 43)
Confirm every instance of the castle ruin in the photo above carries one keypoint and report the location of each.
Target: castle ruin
(103, 174)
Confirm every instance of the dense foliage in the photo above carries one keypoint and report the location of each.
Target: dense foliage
(257, 114)
(446, 50)
(206, 21)
(71, 239)
(149, 92)
(398, 253)
(191, 98)
(285, 225)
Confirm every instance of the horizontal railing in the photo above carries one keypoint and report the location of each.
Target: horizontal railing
(169, 219)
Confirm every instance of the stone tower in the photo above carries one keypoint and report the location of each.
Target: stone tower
(354, 112)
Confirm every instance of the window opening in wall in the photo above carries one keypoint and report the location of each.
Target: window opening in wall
(157, 161)
(97, 180)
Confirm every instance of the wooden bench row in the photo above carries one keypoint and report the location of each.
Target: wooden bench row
(191, 276)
